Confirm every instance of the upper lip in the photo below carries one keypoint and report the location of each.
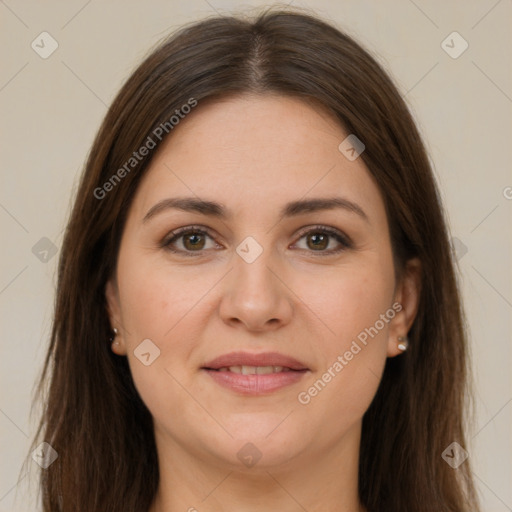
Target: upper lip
(248, 359)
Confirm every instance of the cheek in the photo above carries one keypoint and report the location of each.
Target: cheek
(158, 298)
(356, 306)
(162, 307)
(167, 306)
(349, 299)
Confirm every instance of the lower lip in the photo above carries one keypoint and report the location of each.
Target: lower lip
(256, 384)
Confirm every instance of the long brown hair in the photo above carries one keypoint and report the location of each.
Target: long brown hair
(93, 416)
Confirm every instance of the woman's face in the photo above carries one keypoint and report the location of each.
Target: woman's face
(282, 268)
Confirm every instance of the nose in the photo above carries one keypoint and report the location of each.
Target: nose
(255, 295)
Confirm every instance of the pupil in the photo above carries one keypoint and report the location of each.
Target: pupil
(196, 241)
(321, 238)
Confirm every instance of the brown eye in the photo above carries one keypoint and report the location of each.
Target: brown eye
(188, 241)
(193, 241)
(320, 239)
(317, 241)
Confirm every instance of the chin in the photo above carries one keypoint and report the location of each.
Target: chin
(261, 440)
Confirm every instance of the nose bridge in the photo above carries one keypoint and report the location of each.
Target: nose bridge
(252, 276)
(254, 295)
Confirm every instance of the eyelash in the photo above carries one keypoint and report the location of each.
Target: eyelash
(167, 242)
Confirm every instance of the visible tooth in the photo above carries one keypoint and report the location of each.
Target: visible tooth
(265, 370)
(255, 370)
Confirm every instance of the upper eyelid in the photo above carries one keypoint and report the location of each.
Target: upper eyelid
(320, 227)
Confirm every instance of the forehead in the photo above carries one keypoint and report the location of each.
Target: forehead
(254, 153)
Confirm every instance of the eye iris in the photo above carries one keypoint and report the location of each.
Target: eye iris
(197, 238)
(321, 238)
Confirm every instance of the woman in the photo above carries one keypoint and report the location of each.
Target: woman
(257, 307)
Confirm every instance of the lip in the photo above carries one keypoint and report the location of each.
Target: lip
(248, 359)
(255, 384)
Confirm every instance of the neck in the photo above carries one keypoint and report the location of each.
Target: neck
(193, 483)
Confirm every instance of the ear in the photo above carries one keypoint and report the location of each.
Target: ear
(114, 313)
(407, 295)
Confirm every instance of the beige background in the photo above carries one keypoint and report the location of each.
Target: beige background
(50, 109)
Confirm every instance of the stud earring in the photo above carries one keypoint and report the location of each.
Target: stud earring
(113, 337)
(404, 343)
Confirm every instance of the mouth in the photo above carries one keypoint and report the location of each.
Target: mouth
(255, 374)
(253, 370)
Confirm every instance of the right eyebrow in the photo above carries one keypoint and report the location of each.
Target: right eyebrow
(187, 204)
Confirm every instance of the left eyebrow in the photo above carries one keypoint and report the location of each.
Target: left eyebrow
(294, 208)
(319, 204)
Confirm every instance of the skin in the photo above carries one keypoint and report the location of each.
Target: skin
(254, 154)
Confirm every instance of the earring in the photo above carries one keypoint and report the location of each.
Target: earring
(404, 343)
(112, 337)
